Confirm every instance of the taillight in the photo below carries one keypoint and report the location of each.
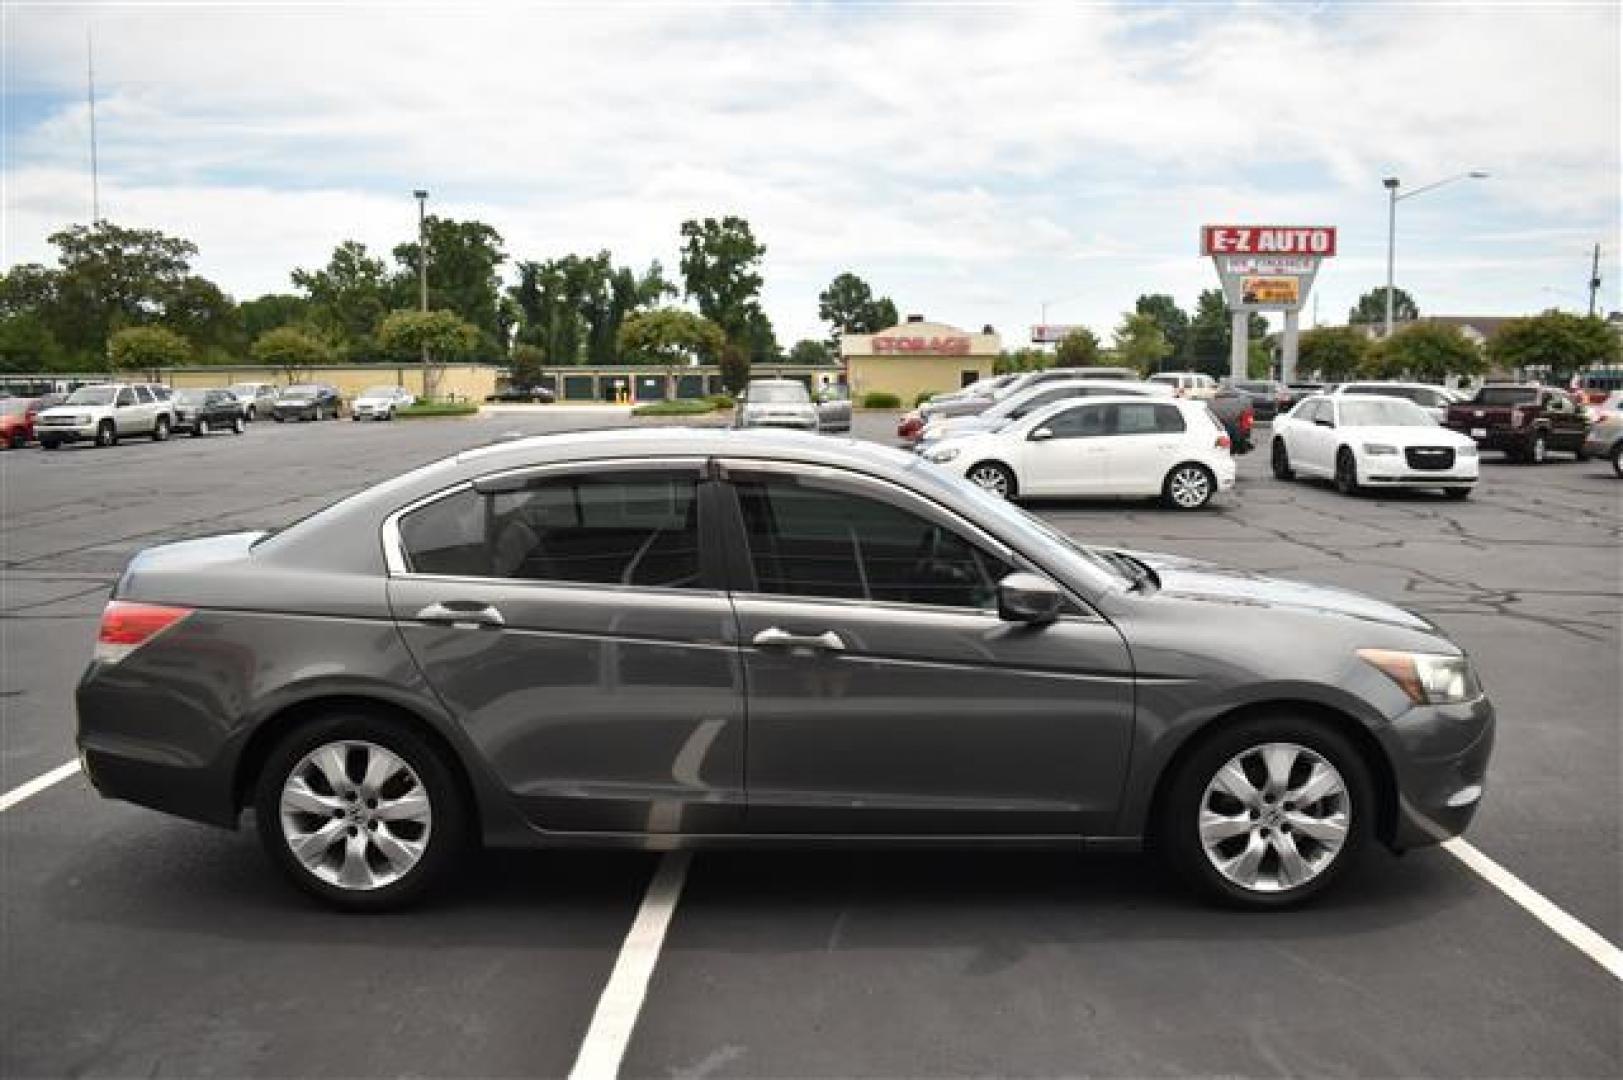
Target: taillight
(1224, 442)
(126, 626)
(1247, 418)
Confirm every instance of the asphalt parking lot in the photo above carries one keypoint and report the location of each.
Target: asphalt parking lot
(134, 944)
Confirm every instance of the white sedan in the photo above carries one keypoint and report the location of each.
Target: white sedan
(1117, 445)
(380, 403)
(1369, 442)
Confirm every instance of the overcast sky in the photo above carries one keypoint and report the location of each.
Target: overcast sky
(972, 162)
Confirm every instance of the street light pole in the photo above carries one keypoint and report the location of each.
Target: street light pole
(1391, 185)
(422, 277)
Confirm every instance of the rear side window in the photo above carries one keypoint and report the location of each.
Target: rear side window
(813, 541)
(1506, 395)
(1148, 419)
(627, 529)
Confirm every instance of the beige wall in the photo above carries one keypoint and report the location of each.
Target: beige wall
(909, 376)
(469, 381)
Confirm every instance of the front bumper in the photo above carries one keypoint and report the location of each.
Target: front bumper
(795, 423)
(371, 412)
(66, 432)
(303, 412)
(1439, 756)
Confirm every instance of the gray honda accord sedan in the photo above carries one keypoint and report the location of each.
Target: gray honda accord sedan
(663, 639)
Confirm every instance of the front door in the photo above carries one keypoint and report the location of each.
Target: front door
(572, 625)
(886, 696)
(1067, 453)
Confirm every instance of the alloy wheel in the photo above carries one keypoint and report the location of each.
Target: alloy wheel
(1274, 817)
(991, 478)
(355, 815)
(1190, 487)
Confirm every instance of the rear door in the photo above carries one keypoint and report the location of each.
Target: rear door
(885, 694)
(1146, 441)
(574, 623)
(143, 414)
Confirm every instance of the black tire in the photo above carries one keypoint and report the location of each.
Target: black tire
(1347, 472)
(1457, 493)
(389, 415)
(1617, 459)
(1281, 460)
(47, 444)
(1189, 486)
(1178, 829)
(446, 835)
(249, 414)
(239, 425)
(356, 417)
(160, 429)
(106, 433)
(200, 428)
(1538, 451)
(1580, 454)
(278, 418)
(994, 477)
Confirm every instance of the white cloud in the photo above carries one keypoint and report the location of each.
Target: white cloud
(970, 162)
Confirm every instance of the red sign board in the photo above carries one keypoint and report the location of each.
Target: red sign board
(1319, 240)
(946, 345)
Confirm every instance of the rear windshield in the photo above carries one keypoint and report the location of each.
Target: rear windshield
(92, 395)
(778, 392)
(1507, 395)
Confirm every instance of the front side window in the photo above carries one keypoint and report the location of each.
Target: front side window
(608, 529)
(1085, 422)
(808, 539)
(126, 396)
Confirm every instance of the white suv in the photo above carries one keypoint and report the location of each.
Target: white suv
(105, 413)
(1187, 384)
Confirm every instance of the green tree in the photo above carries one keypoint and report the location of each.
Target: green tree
(1371, 308)
(848, 306)
(1424, 351)
(464, 258)
(1335, 353)
(1557, 341)
(1211, 331)
(807, 351)
(1172, 319)
(1140, 343)
(27, 344)
(1021, 360)
(147, 348)
(720, 261)
(671, 338)
(271, 311)
(1079, 348)
(735, 366)
(207, 317)
(526, 364)
(573, 307)
(347, 298)
(290, 348)
(441, 335)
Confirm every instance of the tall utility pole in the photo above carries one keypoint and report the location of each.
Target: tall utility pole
(422, 277)
(1594, 279)
(90, 86)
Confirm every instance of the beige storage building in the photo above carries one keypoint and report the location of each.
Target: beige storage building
(461, 382)
(917, 357)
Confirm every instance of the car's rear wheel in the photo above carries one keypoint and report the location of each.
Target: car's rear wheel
(239, 425)
(360, 812)
(1188, 487)
(1281, 460)
(1457, 492)
(160, 429)
(47, 444)
(1268, 812)
(1347, 473)
(995, 478)
(106, 433)
(200, 428)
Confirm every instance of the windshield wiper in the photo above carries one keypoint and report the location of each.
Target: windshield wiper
(1137, 570)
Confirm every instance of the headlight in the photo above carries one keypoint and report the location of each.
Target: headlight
(1427, 678)
(82, 419)
(1468, 450)
(942, 455)
(1376, 448)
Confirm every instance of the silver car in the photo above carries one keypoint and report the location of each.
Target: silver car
(1605, 438)
(833, 407)
(258, 398)
(781, 403)
(658, 639)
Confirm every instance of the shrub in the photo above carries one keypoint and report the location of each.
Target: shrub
(923, 396)
(721, 401)
(424, 409)
(881, 399)
(675, 407)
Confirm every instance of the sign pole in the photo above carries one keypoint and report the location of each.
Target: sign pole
(1287, 356)
(1240, 345)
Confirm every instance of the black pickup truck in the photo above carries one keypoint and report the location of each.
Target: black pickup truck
(1526, 421)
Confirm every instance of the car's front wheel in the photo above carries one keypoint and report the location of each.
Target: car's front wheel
(1268, 812)
(106, 433)
(360, 812)
(1281, 460)
(995, 478)
(1188, 487)
(1617, 459)
(160, 429)
(1347, 473)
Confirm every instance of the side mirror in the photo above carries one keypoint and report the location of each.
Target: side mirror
(1042, 434)
(1027, 598)
(1325, 423)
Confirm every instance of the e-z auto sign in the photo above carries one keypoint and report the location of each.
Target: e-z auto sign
(1317, 240)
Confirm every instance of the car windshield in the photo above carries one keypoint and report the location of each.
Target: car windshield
(1384, 412)
(378, 391)
(778, 393)
(299, 392)
(190, 397)
(1507, 395)
(92, 395)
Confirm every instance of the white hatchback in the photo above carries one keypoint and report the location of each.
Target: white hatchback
(1099, 446)
(1367, 442)
(380, 402)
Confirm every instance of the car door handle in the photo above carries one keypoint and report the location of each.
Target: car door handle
(827, 641)
(462, 613)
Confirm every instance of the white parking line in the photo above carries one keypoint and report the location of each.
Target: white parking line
(37, 785)
(616, 1015)
(1569, 929)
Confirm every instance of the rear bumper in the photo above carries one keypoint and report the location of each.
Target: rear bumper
(193, 792)
(1440, 764)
